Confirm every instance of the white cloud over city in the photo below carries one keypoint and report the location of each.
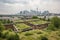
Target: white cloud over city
(14, 6)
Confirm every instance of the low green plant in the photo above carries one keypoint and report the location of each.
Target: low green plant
(35, 17)
(44, 38)
(1, 27)
(12, 36)
(4, 34)
(39, 32)
(56, 22)
(28, 34)
(51, 27)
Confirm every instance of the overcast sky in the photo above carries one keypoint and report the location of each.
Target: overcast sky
(14, 6)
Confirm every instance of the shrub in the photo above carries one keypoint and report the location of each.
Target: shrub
(56, 22)
(44, 38)
(0, 34)
(12, 36)
(48, 19)
(51, 27)
(28, 34)
(4, 34)
(39, 32)
(8, 21)
(1, 39)
(1, 27)
(34, 17)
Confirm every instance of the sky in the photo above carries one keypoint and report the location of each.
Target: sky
(15, 6)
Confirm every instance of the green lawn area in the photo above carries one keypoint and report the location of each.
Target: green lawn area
(22, 26)
(39, 22)
(25, 20)
(32, 19)
(19, 20)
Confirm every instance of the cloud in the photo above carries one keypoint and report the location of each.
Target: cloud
(14, 6)
(14, 1)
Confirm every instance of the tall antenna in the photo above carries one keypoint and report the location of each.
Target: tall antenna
(37, 9)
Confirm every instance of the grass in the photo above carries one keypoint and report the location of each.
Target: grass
(39, 22)
(19, 20)
(32, 19)
(22, 26)
(32, 35)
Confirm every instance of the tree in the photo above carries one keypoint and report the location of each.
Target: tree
(1, 27)
(51, 27)
(34, 17)
(56, 22)
(8, 21)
